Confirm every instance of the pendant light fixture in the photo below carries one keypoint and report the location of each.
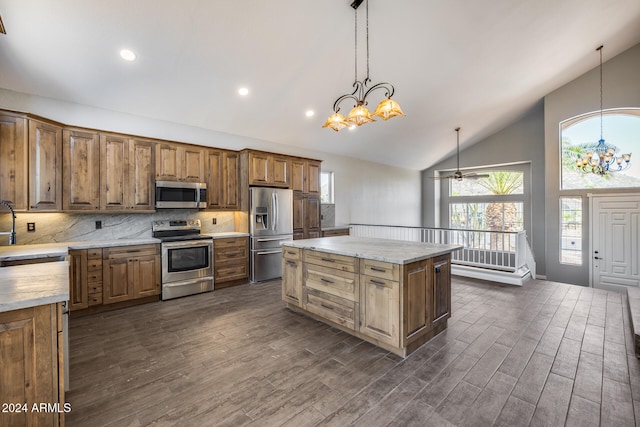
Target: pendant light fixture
(602, 158)
(360, 114)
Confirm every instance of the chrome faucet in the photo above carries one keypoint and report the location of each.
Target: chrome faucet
(12, 233)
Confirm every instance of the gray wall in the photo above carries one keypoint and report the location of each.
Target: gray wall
(522, 141)
(621, 84)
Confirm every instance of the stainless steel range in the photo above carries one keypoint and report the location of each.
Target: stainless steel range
(187, 258)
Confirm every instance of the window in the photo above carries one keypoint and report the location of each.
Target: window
(326, 187)
(571, 230)
(620, 127)
(494, 216)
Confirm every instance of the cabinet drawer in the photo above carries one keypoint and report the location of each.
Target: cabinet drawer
(231, 253)
(383, 270)
(336, 232)
(94, 277)
(225, 273)
(338, 262)
(332, 308)
(335, 282)
(230, 242)
(94, 264)
(291, 253)
(94, 253)
(94, 288)
(95, 298)
(134, 250)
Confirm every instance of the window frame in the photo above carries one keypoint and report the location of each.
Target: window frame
(330, 185)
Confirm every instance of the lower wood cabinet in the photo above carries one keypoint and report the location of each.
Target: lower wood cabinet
(336, 232)
(292, 276)
(31, 372)
(230, 261)
(306, 216)
(130, 272)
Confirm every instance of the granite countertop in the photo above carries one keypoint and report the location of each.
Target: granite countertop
(393, 251)
(30, 285)
(225, 234)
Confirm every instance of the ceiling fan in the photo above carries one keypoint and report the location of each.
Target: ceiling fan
(458, 175)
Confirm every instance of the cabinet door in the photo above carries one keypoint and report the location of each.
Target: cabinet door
(116, 277)
(192, 164)
(292, 281)
(417, 297)
(167, 162)
(78, 292)
(45, 166)
(140, 188)
(298, 176)
(441, 276)
(146, 275)
(281, 172)
(81, 174)
(231, 187)
(13, 160)
(313, 177)
(214, 179)
(114, 173)
(298, 212)
(312, 213)
(380, 309)
(259, 169)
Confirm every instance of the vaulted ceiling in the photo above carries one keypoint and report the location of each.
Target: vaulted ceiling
(476, 64)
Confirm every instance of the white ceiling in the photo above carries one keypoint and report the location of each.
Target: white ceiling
(478, 64)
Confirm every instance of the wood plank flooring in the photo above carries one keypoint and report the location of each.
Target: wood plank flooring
(545, 354)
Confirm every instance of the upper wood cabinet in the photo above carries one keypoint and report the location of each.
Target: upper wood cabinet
(269, 170)
(223, 179)
(127, 166)
(14, 149)
(45, 166)
(305, 176)
(180, 162)
(81, 173)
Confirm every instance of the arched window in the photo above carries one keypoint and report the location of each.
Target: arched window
(620, 127)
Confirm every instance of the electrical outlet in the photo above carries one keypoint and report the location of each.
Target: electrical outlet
(214, 221)
(31, 227)
(98, 225)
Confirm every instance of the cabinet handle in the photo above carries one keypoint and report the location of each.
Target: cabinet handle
(292, 264)
(291, 253)
(328, 307)
(328, 259)
(379, 270)
(377, 282)
(326, 280)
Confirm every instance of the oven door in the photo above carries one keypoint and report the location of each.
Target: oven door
(187, 259)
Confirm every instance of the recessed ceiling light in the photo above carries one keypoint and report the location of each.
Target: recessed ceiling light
(127, 55)
(243, 91)
(310, 113)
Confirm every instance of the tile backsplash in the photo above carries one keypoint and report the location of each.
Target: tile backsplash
(69, 227)
(328, 212)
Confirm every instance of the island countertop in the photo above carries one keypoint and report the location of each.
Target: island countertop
(392, 251)
(24, 286)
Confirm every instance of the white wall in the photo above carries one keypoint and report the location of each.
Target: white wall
(365, 192)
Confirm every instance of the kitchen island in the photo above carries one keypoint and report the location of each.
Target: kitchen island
(394, 294)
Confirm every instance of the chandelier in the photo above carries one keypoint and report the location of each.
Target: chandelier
(602, 158)
(360, 114)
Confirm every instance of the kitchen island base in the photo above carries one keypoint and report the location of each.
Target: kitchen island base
(394, 305)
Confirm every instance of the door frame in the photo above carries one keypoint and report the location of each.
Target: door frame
(592, 222)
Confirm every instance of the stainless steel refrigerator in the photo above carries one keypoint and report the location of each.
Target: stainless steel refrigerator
(270, 222)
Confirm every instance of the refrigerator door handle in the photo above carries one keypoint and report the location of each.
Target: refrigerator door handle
(277, 210)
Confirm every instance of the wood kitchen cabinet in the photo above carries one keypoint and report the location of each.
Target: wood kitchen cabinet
(81, 172)
(268, 169)
(180, 162)
(440, 269)
(306, 216)
(14, 153)
(223, 179)
(130, 272)
(85, 278)
(305, 176)
(230, 261)
(31, 372)
(45, 166)
(127, 174)
(292, 276)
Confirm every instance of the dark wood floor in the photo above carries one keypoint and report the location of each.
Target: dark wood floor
(545, 354)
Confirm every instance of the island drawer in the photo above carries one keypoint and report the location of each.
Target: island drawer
(291, 253)
(383, 270)
(335, 282)
(332, 308)
(94, 253)
(338, 262)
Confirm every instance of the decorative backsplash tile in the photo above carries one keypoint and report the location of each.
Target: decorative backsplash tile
(328, 212)
(70, 227)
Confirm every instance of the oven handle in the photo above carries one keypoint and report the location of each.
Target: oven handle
(187, 244)
(269, 252)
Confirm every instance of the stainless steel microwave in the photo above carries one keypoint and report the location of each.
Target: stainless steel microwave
(181, 195)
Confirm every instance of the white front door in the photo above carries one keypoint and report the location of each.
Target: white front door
(615, 241)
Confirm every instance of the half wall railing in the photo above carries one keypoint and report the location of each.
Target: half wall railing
(496, 250)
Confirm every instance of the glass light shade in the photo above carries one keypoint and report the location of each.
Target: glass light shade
(387, 109)
(626, 157)
(360, 115)
(336, 121)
